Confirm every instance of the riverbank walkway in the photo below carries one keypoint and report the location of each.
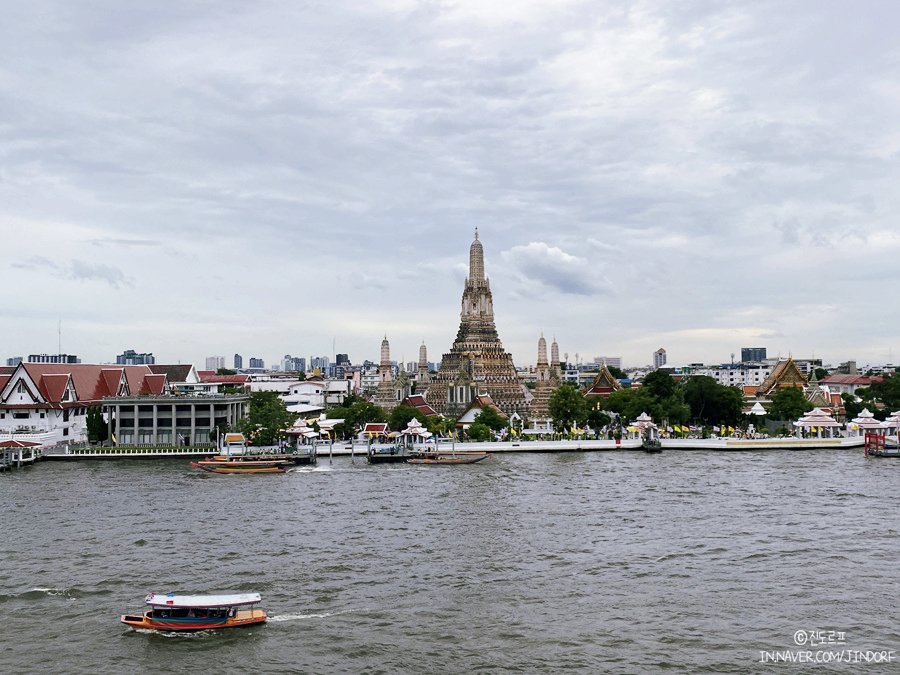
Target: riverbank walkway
(359, 448)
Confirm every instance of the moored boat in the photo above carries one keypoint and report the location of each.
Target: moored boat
(881, 445)
(235, 465)
(306, 456)
(651, 445)
(392, 455)
(197, 612)
(434, 457)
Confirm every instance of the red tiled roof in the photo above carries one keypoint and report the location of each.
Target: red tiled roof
(224, 379)
(154, 384)
(857, 379)
(53, 386)
(418, 401)
(111, 380)
(91, 382)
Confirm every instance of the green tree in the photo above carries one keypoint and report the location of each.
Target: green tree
(789, 403)
(567, 405)
(351, 399)
(401, 416)
(630, 403)
(267, 419)
(820, 373)
(886, 392)
(852, 407)
(659, 383)
(712, 403)
(226, 371)
(493, 420)
(355, 417)
(436, 424)
(617, 373)
(96, 426)
(597, 419)
(478, 432)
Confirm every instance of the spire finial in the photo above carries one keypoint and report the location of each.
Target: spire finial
(476, 233)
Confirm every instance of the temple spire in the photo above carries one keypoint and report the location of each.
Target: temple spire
(476, 261)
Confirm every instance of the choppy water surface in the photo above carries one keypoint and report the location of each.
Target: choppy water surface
(615, 562)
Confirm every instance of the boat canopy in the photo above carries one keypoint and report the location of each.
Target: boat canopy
(232, 600)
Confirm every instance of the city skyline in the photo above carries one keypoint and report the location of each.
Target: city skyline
(196, 180)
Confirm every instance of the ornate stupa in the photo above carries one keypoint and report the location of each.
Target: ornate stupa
(385, 395)
(543, 386)
(476, 363)
(423, 377)
(555, 367)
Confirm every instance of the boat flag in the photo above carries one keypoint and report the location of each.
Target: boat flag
(114, 439)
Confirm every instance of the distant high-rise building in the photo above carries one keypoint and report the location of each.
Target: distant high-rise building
(53, 358)
(131, 358)
(659, 358)
(753, 354)
(342, 359)
(257, 363)
(14, 361)
(610, 361)
(215, 362)
(238, 361)
(320, 362)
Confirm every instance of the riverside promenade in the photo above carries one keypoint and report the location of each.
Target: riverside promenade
(713, 444)
(358, 449)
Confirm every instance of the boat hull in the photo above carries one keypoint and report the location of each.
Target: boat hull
(237, 467)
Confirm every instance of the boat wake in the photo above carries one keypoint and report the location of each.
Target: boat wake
(40, 592)
(308, 469)
(322, 615)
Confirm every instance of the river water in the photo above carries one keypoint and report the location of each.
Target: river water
(618, 562)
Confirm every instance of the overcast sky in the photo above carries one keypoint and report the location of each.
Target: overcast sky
(205, 177)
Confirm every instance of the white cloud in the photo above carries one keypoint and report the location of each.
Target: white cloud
(538, 265)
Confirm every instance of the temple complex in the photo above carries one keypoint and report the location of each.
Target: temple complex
(476, 363)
